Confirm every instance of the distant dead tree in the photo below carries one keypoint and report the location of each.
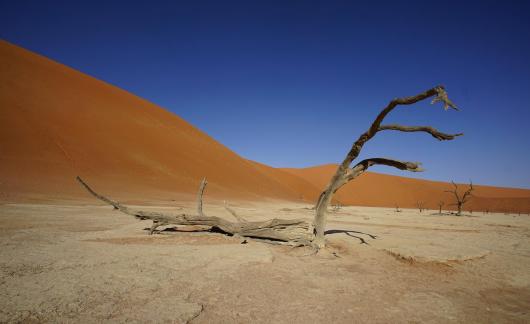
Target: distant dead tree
(397, 209)
(441, 203)
(463, 198)
(420, 205)
(302, 231)
(337, 207)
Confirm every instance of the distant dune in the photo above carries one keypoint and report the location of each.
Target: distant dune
(374, 189)
(57, 123)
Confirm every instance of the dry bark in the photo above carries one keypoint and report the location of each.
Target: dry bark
(344, 173)
(293, 232)
(199, 196)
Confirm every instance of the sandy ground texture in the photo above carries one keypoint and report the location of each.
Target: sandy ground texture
(88, 263)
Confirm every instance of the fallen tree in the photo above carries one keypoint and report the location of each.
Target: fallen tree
(301, 231)
(294, 232)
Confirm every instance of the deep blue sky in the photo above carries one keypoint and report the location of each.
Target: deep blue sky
(293, 83)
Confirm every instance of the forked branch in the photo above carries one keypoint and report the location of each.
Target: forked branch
(344, 173)
(362, 166)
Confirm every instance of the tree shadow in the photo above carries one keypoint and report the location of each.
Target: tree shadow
(350, 234)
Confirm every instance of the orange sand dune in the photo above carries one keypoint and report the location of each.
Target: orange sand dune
(373, 189)
(57, 123)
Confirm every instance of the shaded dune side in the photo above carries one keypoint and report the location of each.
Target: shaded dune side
(56, 123)
(380, 190)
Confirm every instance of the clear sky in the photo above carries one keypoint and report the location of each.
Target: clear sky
(293, 83)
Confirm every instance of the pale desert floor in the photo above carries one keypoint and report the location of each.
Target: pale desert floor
(88, 263)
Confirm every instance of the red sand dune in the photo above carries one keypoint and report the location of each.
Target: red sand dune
(374, 189)
(57, 123)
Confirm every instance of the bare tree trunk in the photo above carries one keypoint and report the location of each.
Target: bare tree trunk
(344, 173)
(199, 196)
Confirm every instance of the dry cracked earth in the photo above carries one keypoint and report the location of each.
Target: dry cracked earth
(87, 263)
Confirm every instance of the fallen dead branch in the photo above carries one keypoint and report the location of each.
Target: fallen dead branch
(292, 232)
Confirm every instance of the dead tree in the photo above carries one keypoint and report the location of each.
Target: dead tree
(420, 205)
(397, 209)
(336, 207)
(301, 231)
(440, 205)
(345, 173)
(461, 199)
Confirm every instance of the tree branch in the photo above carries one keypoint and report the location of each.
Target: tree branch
(113, 203)
(438, 91)
(199, 196)
(362, 166)
(468, 193)
(296, 232)
(442, 96)
(428, 129)
(233, 213)
(455, 192)
(408, 166)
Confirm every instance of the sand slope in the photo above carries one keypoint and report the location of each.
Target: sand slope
(373, 189)
(56, 123)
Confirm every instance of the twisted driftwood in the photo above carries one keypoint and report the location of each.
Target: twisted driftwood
(293, 232)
